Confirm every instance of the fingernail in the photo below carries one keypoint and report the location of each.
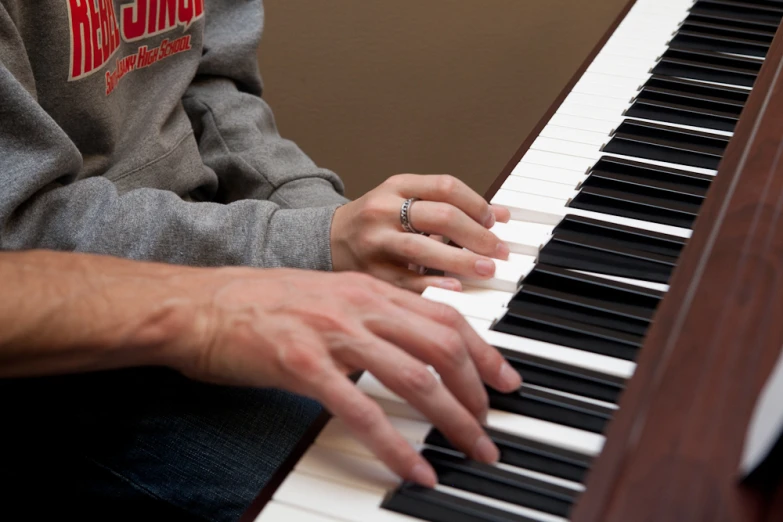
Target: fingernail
(449, 284)
(424, 475)
(485, 450)
(489, 221)
(502, 251)
(485, 267)
(509, 376)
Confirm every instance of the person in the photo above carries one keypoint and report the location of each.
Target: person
(136, 129)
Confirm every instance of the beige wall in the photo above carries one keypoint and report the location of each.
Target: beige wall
(370, 88)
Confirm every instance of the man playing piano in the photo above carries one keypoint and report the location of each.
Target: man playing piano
(136, 129)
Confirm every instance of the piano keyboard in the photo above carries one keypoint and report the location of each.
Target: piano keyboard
(601, 206)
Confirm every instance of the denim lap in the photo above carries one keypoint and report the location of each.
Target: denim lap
(148, 441)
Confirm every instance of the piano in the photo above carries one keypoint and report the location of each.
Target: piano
(642, 302)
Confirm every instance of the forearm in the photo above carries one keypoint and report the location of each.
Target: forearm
(64, 313)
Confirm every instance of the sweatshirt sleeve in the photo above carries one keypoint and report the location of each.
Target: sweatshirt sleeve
(43, 204)
(235, 128)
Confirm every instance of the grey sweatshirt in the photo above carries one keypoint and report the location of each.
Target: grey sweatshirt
(136, 128)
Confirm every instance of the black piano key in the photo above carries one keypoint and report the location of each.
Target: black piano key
(759, 13)
(580, 251)
(741, 27)
(493, 482)
(719, 39)
(577, 308)
(552, 407)
(646, 204)
(629, 237)
(685, 189)
(691, 89)
(528, 454)
(730, 27)
(691, 183)
(708, 66)
(565, 377)
(669, 144)
(657, 109)
(435, 506)
(560, 331)
(585, 298)
(638, 301)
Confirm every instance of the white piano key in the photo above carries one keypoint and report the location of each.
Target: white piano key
(279, 512)
(595, 139)
(333, 499)
(466, 304)
(346, 468)
(550, 211)
(583, 165)
(661, 287)
(632, 48)
(567, 148)
(336, 436)
(582, 124)
(586, 111)
(611, 83)
(506, 278)
(415, 431)
(528, 243)
(604, 404)
(558, 161)
(553, 352)
(536, 515)
(542, 476)
(496, 296)
(624, 94)
(540, 187)
(612, 67)
(544, 173)
(371, 474)
(598, 101)
(678, 166)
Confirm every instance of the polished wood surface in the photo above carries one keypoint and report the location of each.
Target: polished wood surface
(673, 449)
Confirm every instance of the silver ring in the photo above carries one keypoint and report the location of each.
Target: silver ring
(405, 216)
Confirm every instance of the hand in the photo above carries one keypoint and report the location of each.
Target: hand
(306, 331)
(367, 235)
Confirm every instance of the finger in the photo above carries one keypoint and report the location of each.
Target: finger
(492, 367)
(441, 347)
(411, 380)
(502, 214)
(445, 189)
(442, 218)
(368, 423)
(413, 281)
(420, 250)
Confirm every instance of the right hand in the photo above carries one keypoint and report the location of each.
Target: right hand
(306, 331)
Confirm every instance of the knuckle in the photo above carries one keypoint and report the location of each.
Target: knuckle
(446, 184)
(395, 182)
(445, 214)
(446, 315)
(358, 291)
(409, 246)
(362, 415)
(452, 349)
(372, 210)
(300, 361)
(418, 380)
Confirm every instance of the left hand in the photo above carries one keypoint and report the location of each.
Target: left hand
(367, 234)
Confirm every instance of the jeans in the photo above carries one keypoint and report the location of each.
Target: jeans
(141, 444)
